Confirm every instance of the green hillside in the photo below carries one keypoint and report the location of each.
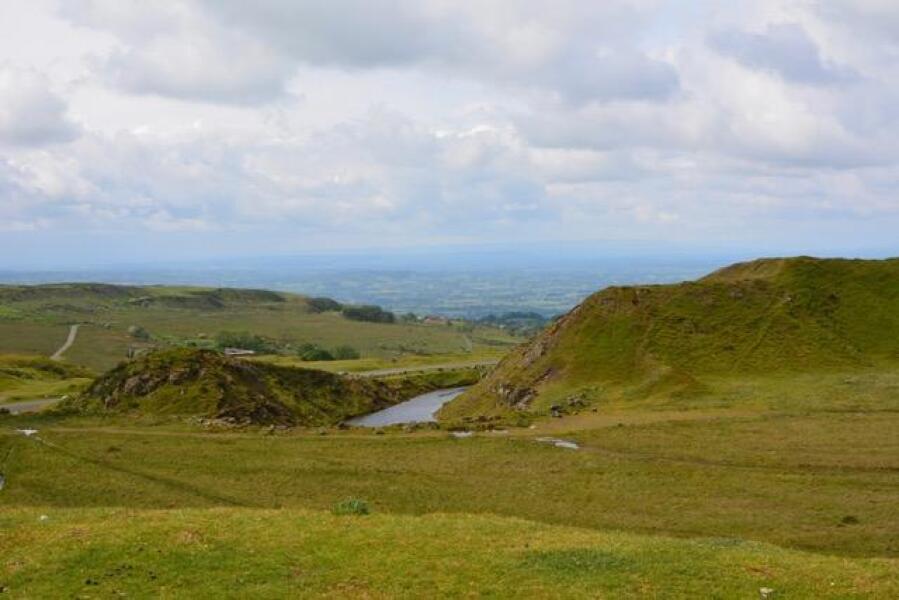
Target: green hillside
(208, 384)
(770, 317)
(114, 318)
(24, 376)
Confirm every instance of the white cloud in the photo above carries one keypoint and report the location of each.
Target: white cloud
(237, 52)
(173, 49)
(410, 121)
(785, 49)
(31, 114)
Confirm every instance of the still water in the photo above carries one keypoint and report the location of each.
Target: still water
(419, 410)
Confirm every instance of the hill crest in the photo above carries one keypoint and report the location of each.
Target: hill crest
(772, 315)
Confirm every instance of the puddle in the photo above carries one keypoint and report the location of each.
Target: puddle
(461, 434)
(558, 443)
(27, 432)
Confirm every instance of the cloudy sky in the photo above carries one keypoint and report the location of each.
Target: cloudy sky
(133, 130)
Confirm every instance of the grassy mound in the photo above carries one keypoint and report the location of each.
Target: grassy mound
(26, 376)
(19, 367)
(783, 316)
(215, 553)
(209, 384)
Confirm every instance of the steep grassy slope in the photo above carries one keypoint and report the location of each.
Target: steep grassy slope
(208, 384)
(785, 316)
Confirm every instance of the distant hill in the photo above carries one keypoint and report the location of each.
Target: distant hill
(90, 295)
(118, 320)
(786, 315)
(208, 384)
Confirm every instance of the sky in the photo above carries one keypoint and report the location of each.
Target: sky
(188, 129)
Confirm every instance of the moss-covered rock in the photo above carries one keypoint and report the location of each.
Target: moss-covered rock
(206, 383)
(209, 384)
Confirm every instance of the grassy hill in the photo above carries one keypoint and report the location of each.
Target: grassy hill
(23, 377)
(206, 383)
(771, 317)
(35, 320)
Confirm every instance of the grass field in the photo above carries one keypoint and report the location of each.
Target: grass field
(710, 501)
(410, 362)
(226, 553)
(784, 479)
(24, 377)
(36, 321)
(31, 337)
(43, 389)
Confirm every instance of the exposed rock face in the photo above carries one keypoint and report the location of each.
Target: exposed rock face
(517, 398)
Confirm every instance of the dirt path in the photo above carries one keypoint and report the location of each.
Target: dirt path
(73, 331)
(18, 408)
(28, 406)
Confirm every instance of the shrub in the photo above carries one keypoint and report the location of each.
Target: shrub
(324, 304)
(371, 313)
(346, 353)
(313, 352)
(138, 333)
(244, 340)
(352, 506)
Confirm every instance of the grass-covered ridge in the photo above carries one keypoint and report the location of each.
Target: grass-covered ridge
(771, 316)
(208, 384)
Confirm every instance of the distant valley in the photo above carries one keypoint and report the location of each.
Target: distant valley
(467, 286)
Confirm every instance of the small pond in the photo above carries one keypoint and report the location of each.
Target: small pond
(419, 409)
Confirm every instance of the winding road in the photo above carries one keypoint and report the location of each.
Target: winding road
(73, 332)
(28, 406)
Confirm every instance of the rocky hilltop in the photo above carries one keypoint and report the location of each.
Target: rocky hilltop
(208, 384)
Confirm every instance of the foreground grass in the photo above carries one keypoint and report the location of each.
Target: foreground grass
(827, 482)
(218, 553)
